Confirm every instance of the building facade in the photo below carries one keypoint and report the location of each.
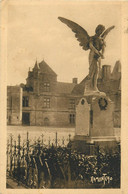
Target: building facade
(43, 101)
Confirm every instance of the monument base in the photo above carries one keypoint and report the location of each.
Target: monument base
(90, 145)
(94, 93)
(94, 123)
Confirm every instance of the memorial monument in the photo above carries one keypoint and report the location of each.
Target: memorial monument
(94, 112)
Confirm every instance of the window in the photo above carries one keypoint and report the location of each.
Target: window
(46, 87)
(91, 117)
(25, 101)
(72, 118)
(46, 122)
(46, 102)
(72, 103)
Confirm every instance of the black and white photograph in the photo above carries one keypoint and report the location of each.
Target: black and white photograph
(63, 95)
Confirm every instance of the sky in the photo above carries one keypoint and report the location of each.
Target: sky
(35, 33)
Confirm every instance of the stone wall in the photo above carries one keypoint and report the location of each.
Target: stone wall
(14, 105)
(56, 115)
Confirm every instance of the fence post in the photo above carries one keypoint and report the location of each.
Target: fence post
(63, 141)
(27, 159)
(23, 154)
(38, 155)
(38, 146)
(56, 140)
(11, 154)
(19, 170)
(69, 137)
(42, 139)
(49, 141)
(69, 166)
(7, 152)
(22, 163)
(14, 158)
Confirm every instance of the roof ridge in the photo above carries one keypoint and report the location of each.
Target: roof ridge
(46, 68)
(65, 82)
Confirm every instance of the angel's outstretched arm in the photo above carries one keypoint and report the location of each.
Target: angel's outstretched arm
(103, 48)
(94, 49)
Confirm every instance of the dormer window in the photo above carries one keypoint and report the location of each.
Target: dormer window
(46, 87)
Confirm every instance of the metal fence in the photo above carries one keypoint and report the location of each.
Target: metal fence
(29, 163)
(52, 164)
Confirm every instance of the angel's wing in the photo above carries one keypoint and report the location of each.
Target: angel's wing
(81, 34)
(107, 31)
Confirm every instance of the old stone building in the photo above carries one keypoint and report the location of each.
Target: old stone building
(43, 101)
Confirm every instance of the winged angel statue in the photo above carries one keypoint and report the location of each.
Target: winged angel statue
(95, 43)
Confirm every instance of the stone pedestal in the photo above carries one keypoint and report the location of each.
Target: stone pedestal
(82, 118)
(94, 123)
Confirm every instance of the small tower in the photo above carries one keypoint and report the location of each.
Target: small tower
(36, 78)
(36, 70)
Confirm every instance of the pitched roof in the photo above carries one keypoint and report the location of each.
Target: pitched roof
(79, 88)
(44, 68)
(65, 88)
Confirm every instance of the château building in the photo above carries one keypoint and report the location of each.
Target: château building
(43, 101)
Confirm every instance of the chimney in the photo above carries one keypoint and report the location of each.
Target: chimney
(74, 80)
(106, 71)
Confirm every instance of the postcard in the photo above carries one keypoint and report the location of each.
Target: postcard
(64, 96)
